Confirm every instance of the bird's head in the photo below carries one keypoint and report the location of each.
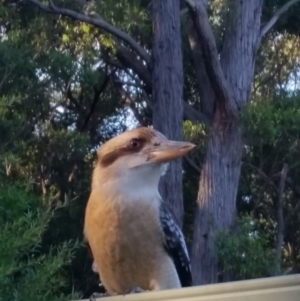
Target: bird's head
(137, 156)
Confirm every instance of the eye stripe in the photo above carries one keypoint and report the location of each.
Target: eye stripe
(112, 156)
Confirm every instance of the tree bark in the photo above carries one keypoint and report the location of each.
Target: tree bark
(206, 93)
(216, 197)
(167, 91)
(231, 78)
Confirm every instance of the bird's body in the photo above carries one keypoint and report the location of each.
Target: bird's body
(129, 231)
(128, 247)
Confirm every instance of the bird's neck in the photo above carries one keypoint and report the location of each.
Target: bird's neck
(131, 185)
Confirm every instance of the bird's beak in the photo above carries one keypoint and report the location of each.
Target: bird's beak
(170, 150)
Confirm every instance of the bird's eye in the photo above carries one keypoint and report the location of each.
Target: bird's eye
(134, 144)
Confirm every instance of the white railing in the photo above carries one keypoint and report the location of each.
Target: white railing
(283, 288)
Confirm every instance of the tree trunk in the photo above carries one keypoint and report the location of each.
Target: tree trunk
(280, 223)
(231, 78)
(167, 92)
(206, 92)
(216, 197)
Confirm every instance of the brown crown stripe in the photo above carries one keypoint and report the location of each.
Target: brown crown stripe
(143, 135)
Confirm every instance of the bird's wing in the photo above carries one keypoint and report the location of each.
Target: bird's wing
(175, 245)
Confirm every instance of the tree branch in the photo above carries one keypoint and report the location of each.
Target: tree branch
(275, 17)
(280, 222)
(5, 76)
(98, 22)
(130, 103)
(73, 99)
(262, 175)
(192, 164)
(193, 115)
(97, 92)
(209, 49)
(206, 93)
(122, 53)
(130, 61)
(128, 83)
(290, 168)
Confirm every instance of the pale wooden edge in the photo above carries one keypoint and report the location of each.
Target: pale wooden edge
(283, 288)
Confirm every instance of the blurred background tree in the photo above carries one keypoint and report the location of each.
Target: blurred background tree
(68, 86)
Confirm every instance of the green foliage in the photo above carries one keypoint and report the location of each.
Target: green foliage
(130, 16)
(25, 272)
(58, 102)
(244, 253)
(274, 124)
(271, 131)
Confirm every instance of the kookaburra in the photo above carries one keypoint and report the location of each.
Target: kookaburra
(134, 239)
